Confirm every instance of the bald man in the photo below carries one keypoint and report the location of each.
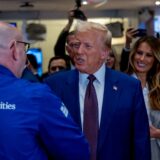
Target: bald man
(34, 123)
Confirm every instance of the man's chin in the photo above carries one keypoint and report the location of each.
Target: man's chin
(80, 68)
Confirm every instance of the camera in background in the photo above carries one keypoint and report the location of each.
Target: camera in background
(78, 14)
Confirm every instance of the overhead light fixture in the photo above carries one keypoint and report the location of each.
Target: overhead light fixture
(26, 5)
(101, 3)
(84, 2)
(97, 3)
(157, 3)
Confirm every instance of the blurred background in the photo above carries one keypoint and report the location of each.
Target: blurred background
(42, 20)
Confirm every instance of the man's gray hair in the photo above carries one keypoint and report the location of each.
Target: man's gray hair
(7, 33)
(83, 26)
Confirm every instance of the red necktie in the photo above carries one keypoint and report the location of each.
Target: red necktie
(91, 125)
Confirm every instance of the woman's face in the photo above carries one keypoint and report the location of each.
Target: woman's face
(143, 59)
(110, 62)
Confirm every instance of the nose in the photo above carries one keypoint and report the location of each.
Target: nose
(80, 49)
(142, 57)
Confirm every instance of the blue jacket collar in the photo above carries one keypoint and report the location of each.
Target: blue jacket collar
(6, 71)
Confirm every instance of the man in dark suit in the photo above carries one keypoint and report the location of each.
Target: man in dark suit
(123, 132)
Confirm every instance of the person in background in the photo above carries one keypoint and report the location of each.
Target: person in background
(33, 65)
(67, 36)
(112, 60)
(144, 64)
(56, 64)
(59, 48)
(130, 36)
(30, 127)
(28, 75)
(69, 47)
(106, 104)
(30, 71)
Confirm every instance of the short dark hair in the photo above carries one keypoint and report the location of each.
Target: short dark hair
(32, 60)
(66, 58)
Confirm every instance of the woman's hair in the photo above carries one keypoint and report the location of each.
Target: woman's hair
(153, 76)
(113, 54)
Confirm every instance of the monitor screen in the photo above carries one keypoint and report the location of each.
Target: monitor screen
(13, 24)
(156, 24)
(37, 52)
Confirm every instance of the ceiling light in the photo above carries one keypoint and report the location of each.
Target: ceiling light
(157, 3)
(26, 5)
(84, 2)
(97, 3)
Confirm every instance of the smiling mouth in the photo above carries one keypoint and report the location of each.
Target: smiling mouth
(139, 64)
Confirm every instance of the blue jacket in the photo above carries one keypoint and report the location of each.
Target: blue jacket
(34, 124)
(124, 128)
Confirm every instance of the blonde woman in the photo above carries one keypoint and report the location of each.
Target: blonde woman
(112, 60)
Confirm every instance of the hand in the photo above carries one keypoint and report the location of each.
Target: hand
(70, 16)
(154, 132)
(130, 34)
(70, 21)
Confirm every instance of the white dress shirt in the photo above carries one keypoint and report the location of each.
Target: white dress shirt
(99, 87)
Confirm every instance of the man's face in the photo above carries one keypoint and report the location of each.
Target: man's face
(57, 65)
(89, 51)
(70, 41)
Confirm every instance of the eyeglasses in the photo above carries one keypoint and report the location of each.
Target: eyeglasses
(27, 45)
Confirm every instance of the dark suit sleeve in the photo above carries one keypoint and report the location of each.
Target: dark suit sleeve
(60, 135)
(141, 128)
(59, 48)
(124, 59)
(27, 74)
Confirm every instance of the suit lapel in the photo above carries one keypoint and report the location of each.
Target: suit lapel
(110, 101)
(73, 96)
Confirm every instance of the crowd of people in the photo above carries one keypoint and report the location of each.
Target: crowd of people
(88, 105)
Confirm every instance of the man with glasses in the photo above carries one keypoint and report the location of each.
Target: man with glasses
(27, 45)
(27, 72)
(34, 123)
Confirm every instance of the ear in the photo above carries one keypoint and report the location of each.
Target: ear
(13, 50)
(105, 53)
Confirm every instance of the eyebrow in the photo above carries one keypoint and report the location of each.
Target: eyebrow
(144, 52)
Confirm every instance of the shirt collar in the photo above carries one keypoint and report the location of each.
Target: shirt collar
(6, 71)
(100, 75)
(135, 76)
